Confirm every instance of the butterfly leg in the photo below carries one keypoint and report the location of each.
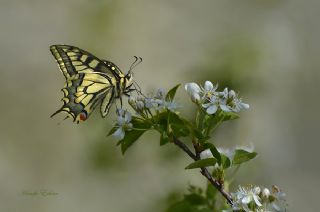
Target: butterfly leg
(121, 101)
(127, 93)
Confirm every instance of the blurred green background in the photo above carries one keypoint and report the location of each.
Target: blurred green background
(267, 49)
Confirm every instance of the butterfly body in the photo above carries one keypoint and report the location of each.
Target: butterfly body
(90, 81)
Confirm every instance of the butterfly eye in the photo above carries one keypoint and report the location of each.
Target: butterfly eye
(83, 116)
(129, 76)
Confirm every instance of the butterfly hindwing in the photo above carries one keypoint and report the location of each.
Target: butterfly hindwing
(107, 102)
(89, 81)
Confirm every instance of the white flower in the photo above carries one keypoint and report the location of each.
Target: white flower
(224, 106)
(132, 100)
(199, 93)
(123, 124)
(211, 100)
(160, 94)
(171, 105)
(209, 89)
(231, 102)
(212, 106)
(224, 93)
(158, 102)
(140, 105)
(149, 102)
(244, 196)
(239, 105)
(265, 193)
(279, 198)
(214, 103)
(137, 103)
(193, 89)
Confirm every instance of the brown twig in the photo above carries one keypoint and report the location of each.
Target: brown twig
(204, 171)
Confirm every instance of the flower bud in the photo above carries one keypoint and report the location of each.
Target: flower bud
(195, 97)
(265, 193)
(192, 87)
(257, 190)
(208, 86)
(131, 100)
(140, 105)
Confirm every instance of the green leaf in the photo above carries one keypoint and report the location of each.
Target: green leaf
(211, 192)
(164, 139)
(225, 161)
(211, 122)
(202, 163)
(180, 130)
(195, 199)
(182, 206)
(230, 116)
(162, 120)
(198, 134)
(172, 124)
(214, 151)
(113, 129)
(140, 124)
(242, 156)
(178, 125)
(130, 137)
(186, 206)
(172, 92)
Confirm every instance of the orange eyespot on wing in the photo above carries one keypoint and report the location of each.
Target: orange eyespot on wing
(83, 116)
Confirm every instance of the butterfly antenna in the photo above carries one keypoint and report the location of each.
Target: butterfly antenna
(133, 64)
(136, 62)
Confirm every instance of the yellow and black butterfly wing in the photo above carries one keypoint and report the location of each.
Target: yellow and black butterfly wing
(89, 81)
(73, 60)
(116, 71)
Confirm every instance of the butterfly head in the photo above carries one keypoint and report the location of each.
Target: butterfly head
(129, 79)
(129, 75)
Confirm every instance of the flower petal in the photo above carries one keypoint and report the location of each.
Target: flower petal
(244, 105)
(206, 105)
(225, 108)
(224, 93)
(256, 200)
(208, 86)
(195, 97)
(127, 117)
(140, 105)
(192, 87)
(265, 193)
(212, 109)
(247, 199)
(232, 94)
(119, 133)
(121, 120)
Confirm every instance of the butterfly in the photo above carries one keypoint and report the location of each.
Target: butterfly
(90, 81)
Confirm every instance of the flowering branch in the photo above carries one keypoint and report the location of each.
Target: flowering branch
(204, 171)
(159, 112)
(185, 148)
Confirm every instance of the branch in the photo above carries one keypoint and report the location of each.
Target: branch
(204, 171)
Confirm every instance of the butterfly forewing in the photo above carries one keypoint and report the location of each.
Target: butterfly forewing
(89, 81)
(74, 60)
